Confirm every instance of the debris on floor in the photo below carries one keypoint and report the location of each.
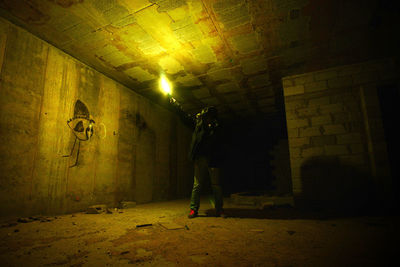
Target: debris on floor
(24, 220)
(31, 219)
(172, 226)
(291, 232)
(267, 204)
(45, 220)
(144, 225)
(10, 224)
(199, 259)
(261, 199)
(97, 209)
(138, 237)
(257, 230)
(127, 204)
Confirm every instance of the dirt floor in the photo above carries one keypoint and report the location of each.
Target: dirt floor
(248, 237)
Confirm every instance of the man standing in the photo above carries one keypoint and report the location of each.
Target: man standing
(204, 151)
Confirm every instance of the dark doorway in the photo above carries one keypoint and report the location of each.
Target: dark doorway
(389, 100)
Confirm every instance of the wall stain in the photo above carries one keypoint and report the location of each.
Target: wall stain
(25, 11)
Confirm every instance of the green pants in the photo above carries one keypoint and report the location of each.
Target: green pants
(201, 172)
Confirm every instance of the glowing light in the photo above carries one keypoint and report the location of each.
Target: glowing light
(165, 86)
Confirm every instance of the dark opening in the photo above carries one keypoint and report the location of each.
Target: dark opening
(247, 155)
(389, 101)
(294, 13)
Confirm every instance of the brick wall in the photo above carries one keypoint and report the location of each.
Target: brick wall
(336, 142)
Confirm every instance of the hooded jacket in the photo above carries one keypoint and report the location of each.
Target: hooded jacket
(205, 142)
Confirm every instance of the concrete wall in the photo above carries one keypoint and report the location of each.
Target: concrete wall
(337, 146)
(138, 150)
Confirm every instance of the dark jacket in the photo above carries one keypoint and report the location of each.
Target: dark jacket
(206, 142)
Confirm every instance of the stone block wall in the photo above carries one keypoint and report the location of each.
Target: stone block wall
(51, 163)
(337, 147)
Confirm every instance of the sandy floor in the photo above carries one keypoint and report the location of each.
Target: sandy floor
(273, 237)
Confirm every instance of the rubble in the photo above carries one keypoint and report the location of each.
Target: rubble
(127, 204)
(144, 225)
(261, 200)
(97, 209)
(172, 226)
(257, 230)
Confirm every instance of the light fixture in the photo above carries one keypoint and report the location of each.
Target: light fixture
(165, 85)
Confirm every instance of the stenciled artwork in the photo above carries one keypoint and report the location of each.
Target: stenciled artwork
(82, 126)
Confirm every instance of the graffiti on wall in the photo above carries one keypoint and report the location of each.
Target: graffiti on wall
(82, 126)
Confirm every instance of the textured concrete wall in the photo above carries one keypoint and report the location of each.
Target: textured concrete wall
(137, 150)
(336, 140)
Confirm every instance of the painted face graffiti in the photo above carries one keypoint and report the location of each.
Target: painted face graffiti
(82, 123)
(82, 126)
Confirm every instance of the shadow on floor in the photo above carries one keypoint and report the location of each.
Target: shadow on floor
(289, 213)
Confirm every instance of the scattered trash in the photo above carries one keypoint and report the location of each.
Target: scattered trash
(186, 227)
(31, 219)
(257, 230)
(142, 253)
(172, 226)
(96, 209)
(124, 252)
(199, 259)
(212, 201)
(198, 253)
(108, 211)
(267, 204)
(16, 230)
(291, 232)
(9, 224)
(127, 204)
(144, 225)
(24, 220)
(261, 199)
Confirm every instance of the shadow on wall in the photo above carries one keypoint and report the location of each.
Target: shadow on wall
(328, 184)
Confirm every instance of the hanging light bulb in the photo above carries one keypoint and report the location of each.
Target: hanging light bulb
(165, 86)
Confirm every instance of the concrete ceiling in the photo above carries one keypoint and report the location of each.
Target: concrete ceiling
(227, 53)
